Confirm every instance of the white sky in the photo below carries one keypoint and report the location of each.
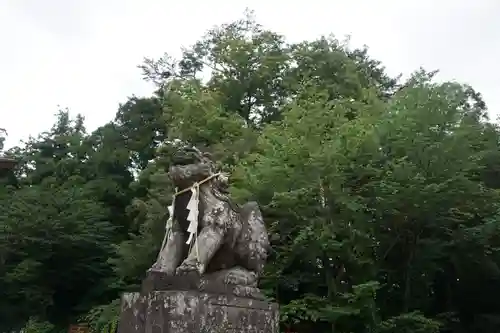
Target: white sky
(82, 54)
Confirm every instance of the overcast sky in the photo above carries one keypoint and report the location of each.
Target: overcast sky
(82, 54)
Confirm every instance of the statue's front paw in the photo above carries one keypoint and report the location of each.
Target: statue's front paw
(164, 269)
(186, 268)
(159, 269)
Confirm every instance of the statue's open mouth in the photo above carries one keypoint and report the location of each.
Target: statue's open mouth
(188, 168)
(184, 158)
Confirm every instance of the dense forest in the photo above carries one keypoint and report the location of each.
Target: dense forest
(381, 195)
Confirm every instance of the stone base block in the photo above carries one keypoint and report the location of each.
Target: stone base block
(196, 312)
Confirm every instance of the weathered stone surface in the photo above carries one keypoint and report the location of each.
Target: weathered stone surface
(231, 243)
(210, 283)
(133, 313)
(196, 312)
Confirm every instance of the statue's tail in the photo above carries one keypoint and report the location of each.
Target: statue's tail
(254, 245)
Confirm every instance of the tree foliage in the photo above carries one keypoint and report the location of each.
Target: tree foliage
(381, 195)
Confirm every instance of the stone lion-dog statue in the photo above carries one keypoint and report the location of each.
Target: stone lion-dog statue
(208, 234)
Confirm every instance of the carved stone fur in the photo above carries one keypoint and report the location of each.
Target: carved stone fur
(232, 243)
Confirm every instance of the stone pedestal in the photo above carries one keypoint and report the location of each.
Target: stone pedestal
(184, 311)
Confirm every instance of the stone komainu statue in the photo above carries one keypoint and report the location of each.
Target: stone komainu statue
(208, 234)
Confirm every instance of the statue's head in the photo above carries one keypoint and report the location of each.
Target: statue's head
(190, 165)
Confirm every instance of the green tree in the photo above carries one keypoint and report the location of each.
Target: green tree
(255, 72)
(57, 228)
(54, 244)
